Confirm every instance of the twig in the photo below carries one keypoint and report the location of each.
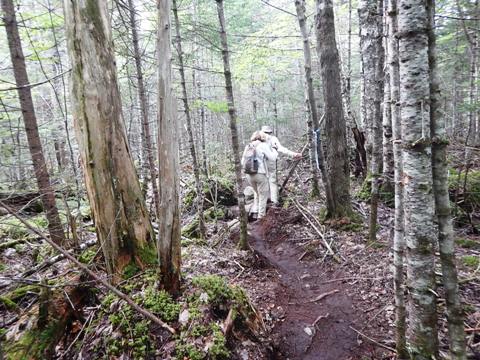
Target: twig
(113, 289)
(373, 341)
(472, 330)
(351, 278)
(303, 212)
(36, 84)
(324, 295)
(314, 324)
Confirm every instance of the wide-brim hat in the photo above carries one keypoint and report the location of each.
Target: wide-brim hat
(267, 129)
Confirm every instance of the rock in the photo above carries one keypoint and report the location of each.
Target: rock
(10, 252)
(183, 317)
(203, 297)
(308, 330)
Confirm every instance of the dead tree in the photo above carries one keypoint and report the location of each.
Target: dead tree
(118, 206)
(169, 235)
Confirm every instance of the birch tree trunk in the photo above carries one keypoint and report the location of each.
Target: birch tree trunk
(335, 126)
(442, 202)
(417, 177)
(310, 94)
(398, 235)
(233, 125)
(388, 162)
(121, 218)
(370, 20)
(22, 82)
(169, 236)
(191, 141)
(146, 135)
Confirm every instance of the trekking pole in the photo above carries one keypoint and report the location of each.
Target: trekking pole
(292, 169)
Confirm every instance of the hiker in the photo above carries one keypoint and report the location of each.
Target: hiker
(254, 163)
(272, 162)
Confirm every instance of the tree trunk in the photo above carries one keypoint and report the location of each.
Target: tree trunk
(417, 177)
(191, 141)
(313, 124)
(370, 20)
(169, 236)
(121, 217)
(42, 176)
(233, 125)
(442, 202)
(337, 156)
(146, 136)
(398, 235)
(388, 163)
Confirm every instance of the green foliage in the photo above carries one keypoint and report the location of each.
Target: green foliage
(33, 344)
(219, 348)
(130, 270)
(161, 303)
(148, 255)
(216, 288)
(467, 243)
(12, 228)
(87, 255)
(471, 261)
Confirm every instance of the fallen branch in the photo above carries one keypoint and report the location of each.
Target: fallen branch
(351, 278)
(147, 314)
(324, 295)
(292, 169)
(314, 324)
(10, 243)
(327, 246)
(57, 258)
(469, 330)
(373, 341)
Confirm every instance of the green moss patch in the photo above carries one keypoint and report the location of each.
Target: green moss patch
(472, 261)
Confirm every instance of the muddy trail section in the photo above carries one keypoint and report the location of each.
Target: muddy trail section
(318, 315)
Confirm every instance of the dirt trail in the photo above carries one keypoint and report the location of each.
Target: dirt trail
(300, 283)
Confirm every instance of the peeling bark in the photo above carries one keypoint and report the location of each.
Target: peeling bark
(417, 177)
(169, 236)
(118, 206)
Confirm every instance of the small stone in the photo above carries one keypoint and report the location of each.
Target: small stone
(10, 252)
(203, 297)
(183, 317)
(308, 330)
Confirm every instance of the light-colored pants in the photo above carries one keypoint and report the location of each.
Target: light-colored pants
(259, 183)
(272, 179)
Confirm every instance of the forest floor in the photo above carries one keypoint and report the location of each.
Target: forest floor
(312, 304)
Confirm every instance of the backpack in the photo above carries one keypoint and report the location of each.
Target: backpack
(250, 165)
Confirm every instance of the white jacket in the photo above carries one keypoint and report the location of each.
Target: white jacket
(277, 147)
(264, 153)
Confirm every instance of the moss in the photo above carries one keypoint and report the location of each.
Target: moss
(216, 288)
(33, 344)
(471, 261)
(130, 270)
(148, 255)
(3, 267)
(191, 230)
(13, 228)
(188, 351)
(20, 292)
(211, 214)
(219, 348)
(161, 303)
(8, 303)
(365, 191)
(467, 243)
(87, 255)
